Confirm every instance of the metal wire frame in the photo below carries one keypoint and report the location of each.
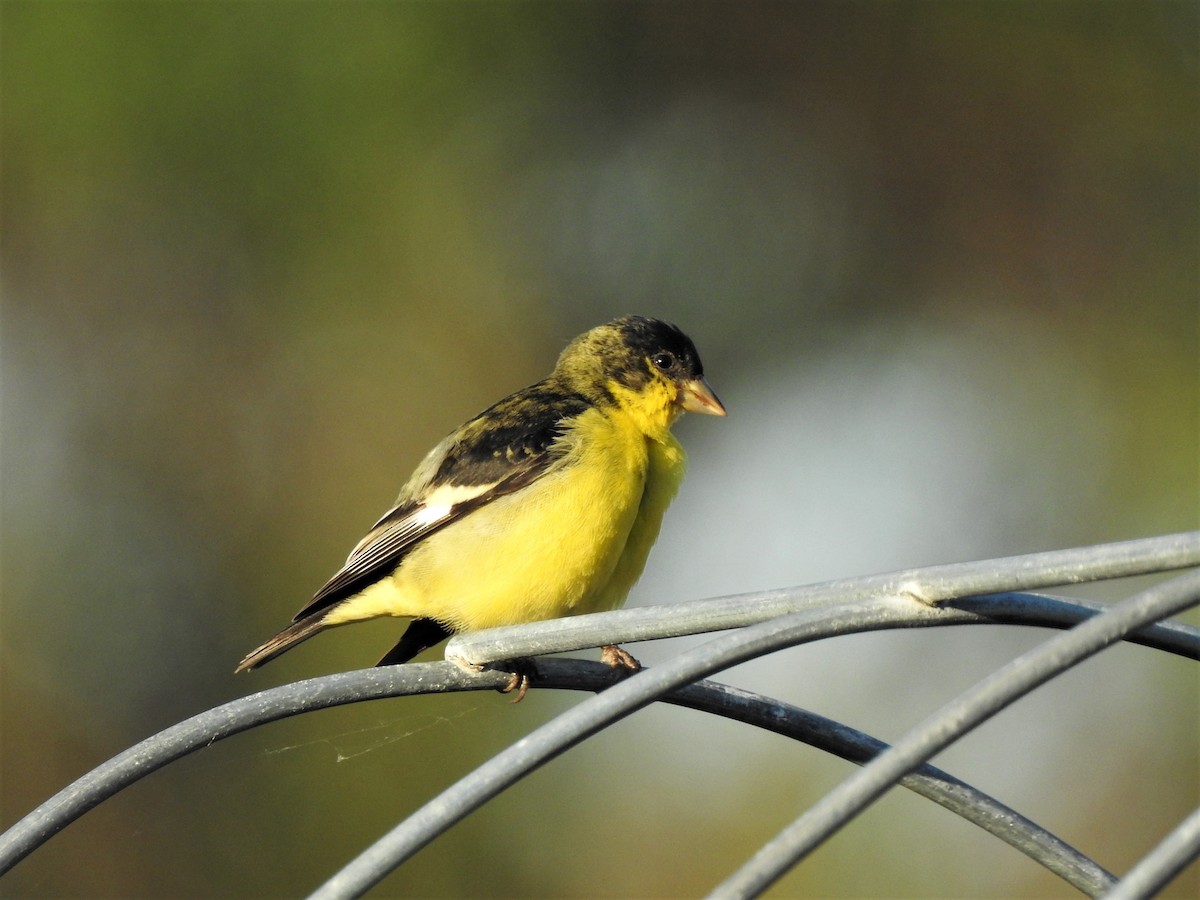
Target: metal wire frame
(915, 598)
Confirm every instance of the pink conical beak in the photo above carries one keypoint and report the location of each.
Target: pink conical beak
(696, 396)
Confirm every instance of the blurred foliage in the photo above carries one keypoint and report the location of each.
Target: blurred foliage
(941, 259)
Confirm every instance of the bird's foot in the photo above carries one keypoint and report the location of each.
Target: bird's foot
(618, 658)
(523, 672)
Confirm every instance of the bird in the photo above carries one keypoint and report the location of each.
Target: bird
(544, 505)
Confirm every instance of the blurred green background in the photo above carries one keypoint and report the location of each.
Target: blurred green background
(942, 261)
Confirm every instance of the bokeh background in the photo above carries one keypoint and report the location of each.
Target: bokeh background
(942, 261)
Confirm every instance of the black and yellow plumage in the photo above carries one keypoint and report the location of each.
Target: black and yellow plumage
(544, 505)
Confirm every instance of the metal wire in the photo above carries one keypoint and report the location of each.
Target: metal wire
(589, 717)
(349, 687)
(948, 724)
(1160, 865)
(814, 612)
(745, 706)
(219, 723)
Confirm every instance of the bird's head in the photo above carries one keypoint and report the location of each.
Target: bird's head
(643, 365)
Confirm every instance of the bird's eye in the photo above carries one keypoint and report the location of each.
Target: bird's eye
(663, 360)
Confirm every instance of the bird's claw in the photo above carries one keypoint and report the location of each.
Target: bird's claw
(518, 683)
(523, 671)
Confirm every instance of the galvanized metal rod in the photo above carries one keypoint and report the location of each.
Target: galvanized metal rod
(941, 729)
(1155, 870)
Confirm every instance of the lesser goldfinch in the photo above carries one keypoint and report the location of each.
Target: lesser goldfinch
(544, 505)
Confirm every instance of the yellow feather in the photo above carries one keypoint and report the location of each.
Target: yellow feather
(575, 541)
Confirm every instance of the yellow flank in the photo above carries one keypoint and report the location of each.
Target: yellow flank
(575, 541)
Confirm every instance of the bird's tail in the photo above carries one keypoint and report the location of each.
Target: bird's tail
(285, 640)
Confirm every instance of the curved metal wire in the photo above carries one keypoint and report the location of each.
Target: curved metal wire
(952, 721)
(884, 601)
(416, 678)
(1178, 849)
(232, 718)
(590, 716)
(222, 722)
(745, 706)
